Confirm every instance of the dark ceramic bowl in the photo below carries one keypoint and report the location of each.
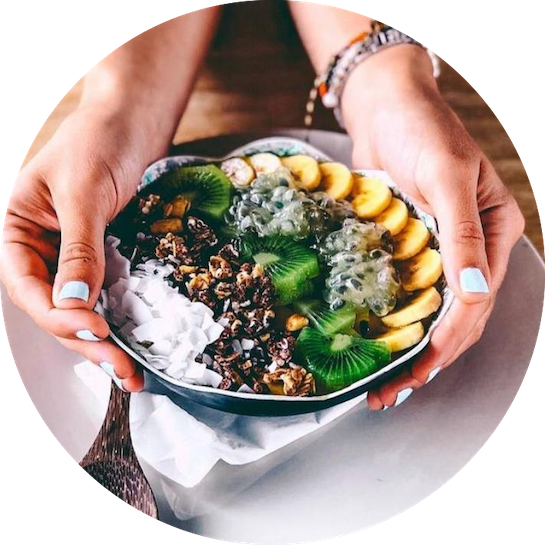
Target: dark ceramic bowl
(275, 405)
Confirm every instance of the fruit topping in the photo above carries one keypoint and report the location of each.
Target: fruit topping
(421, 271)
(411, 240)
(206, 187)
(394, 217)
(402, 338)
(305, 170)
(337, 180)
(371, 197)
(361, 272)
(328, 321)
(340, 360)
(419, 307)
(238, 171)
(290, 265)
(265, 163)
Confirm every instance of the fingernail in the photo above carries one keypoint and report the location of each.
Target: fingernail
(402, 396)
(86, 335)
(433, 374)
(472, 280)
(108, 368)
(74, 289)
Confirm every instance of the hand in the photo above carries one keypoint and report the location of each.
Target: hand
(400, 123)
(52, 262)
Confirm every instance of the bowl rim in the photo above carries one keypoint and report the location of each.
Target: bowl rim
(286, 146)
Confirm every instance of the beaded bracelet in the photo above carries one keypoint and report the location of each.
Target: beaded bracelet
(330, 84)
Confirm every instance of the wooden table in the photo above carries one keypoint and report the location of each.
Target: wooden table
(257, 77)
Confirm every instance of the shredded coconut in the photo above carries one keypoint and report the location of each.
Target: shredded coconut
(167, 329)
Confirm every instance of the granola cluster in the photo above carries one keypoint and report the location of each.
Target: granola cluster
(255, 350)
(242, 297)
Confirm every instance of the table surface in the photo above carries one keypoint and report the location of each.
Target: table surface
(229, 98)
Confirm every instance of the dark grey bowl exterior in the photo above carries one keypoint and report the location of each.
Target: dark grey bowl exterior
(257, 405)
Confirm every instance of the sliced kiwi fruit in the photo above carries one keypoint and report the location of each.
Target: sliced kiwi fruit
(206, 187)
(323, 318)
(336, 361)
(291, 266)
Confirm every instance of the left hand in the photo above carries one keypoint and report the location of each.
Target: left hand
(400, 123)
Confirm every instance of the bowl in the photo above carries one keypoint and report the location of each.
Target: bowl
(276, 405)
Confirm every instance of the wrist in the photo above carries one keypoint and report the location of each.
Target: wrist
(384, 81)
(134, 108)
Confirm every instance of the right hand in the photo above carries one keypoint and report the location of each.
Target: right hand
(52, 262)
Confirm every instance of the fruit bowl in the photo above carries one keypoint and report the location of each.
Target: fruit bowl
(246, 401)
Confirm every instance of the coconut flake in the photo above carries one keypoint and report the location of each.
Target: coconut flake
(247, 344)
(245, 389)
(165, 327)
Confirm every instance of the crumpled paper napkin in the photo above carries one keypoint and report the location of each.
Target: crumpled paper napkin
(184, 441)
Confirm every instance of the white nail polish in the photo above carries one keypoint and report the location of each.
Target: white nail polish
(75, 289)
(108, 368)
(472, 280)
(433, 374)
(402, 396)
(86, 335)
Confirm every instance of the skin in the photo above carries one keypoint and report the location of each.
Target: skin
(399, 122)
(131, 105)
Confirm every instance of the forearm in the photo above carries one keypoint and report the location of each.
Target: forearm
(151, 77)
(341, 27)
(402, 67)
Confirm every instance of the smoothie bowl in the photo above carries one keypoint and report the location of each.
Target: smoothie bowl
(273, 281)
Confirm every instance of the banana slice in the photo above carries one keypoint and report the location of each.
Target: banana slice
(411, 240)
(371, 197)
(395, 217)
(305, 169)
(404, 337)
(265, 163)
(421, 271)
(423, 305)
(238, 171)
(337, 180)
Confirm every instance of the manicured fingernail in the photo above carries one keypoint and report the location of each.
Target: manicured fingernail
(402, 396)
(108, 368)
(472, 280)
(74, 289)
(433, 374)
(86, 335)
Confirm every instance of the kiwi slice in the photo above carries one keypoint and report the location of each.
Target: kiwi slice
(207, 187)
(290, 265)
(323, 318)
(339, 360)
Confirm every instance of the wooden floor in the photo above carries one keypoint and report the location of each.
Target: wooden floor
(257, 76)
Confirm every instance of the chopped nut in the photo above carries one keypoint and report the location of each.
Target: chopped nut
(187, 269)
(296, 322)
(149, 204)
(220, 268)
(201, 282)
(165, 226)
(178, 207)
(244, 278)
(223, 290)
(296, 382)
(258, 271)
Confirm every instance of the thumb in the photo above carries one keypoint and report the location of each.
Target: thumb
(462, 240)
(80, 272)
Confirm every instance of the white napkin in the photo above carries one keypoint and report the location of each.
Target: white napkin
(184, 441)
